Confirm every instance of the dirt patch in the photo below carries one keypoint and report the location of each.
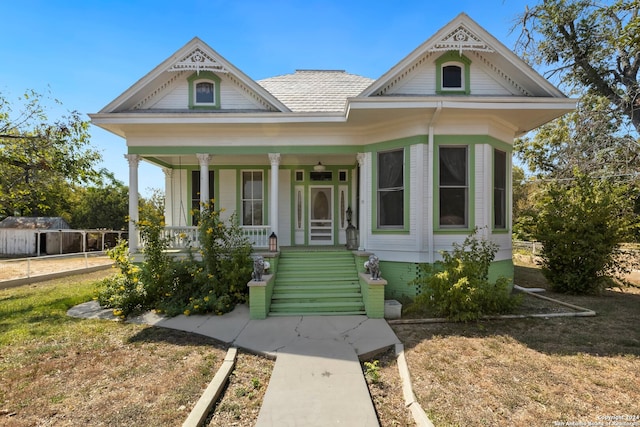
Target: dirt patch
(18, 269)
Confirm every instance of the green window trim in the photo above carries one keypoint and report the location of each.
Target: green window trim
(448, 59)
(204, 77)
(377, 228)
(451, 141)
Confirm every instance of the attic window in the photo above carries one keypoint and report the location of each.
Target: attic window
(451, 77)
(204, 91)
(452, 74)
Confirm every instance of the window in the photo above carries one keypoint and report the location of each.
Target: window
(454, 187)
(452, 77)
(252, 198)
(499, 189)
(391, 189)
(195, 192)
(452, 74)
(204, 91)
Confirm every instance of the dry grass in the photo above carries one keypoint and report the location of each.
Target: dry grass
(61, 371)
(530, 372)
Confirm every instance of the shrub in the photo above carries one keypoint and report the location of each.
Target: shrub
(458, 287)
(124, 292)
(214, 285)
(581, 224)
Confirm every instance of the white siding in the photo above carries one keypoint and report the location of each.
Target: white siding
(422, 81)
(228, 194)
(483, 83)
(17, 242)
(180, 198)
(176, 97)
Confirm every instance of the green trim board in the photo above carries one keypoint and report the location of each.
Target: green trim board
(204, 76)
(453, 57)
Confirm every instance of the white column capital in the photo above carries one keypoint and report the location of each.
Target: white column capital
(274, 158)
(203, 158)
(168, 172)
(361, 157)
(133, 159)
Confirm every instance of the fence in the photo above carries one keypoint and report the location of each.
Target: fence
(24, 268)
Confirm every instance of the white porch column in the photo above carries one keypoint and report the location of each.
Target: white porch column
(364, 207)
(204, 179)
(274, 158)
(168, 196)
(133, 160)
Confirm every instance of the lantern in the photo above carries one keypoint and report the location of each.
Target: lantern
(273, 242)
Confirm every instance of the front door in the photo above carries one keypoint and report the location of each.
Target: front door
(321, 215)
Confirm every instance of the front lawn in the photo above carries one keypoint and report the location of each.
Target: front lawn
(531, 372)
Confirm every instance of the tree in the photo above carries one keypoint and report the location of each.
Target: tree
(103, 206)
(581, 225)
(588, 44)
(38, 157)
(590, 139)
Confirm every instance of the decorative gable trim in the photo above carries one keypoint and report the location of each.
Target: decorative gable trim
(503, 75)
(158, 91)
(461, 39)
(400, 77)
(198, 60)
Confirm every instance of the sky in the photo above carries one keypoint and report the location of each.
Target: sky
(86, 53)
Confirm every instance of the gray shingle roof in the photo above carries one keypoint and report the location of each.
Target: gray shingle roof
(316, 90)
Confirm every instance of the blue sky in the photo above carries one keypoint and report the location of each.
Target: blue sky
(89, 52)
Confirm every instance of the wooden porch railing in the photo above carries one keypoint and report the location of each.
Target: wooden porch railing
(187, 236)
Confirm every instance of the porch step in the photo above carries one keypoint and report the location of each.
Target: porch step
(316, 282)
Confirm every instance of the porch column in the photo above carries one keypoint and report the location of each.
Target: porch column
(364, 207)
(133, 160)
(274, 158)
(168, 196)
(204, 179)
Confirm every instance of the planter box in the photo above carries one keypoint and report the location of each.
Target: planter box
(392, 309)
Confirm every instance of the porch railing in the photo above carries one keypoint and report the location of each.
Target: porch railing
(187, 236)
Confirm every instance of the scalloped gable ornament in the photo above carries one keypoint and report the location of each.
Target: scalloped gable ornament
(461, 39)
(197, 61)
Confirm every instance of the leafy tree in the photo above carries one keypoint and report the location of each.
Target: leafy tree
(152, 207)
(588, 44)
(104, 206)
(525, 191)
(591, 140)
(582, 222)
(37, 157)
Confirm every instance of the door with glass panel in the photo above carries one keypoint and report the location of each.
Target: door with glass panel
(321, 215)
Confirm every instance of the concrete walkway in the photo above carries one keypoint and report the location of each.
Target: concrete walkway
(317, 379)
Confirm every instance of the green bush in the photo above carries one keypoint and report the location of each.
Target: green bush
(581, 224)
(214, 285)
(458, 287)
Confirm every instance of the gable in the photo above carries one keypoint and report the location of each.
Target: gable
(167, 87)
(493, 68)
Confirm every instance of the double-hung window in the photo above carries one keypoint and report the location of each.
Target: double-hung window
(391, 189)
(252, 198)
(499, 189)
(454, 186)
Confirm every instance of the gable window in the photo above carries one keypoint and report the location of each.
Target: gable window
(252, 199)
(499, 189)
(452, 77)
(454, 187)
(195, 193)
(204, 91)
(391, 189)
(452, 74)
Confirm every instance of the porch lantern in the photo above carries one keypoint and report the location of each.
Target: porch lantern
(273, 242)
(352, 235)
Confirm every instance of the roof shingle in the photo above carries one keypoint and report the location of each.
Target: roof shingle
(316, 90)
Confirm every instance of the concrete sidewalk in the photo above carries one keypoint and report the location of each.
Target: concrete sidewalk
(317, 379)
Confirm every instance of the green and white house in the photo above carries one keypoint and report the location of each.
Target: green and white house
(421, 156)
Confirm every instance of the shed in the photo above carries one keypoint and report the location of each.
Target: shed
(37, 235)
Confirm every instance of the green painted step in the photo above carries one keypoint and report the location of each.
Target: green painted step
(316, 282)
